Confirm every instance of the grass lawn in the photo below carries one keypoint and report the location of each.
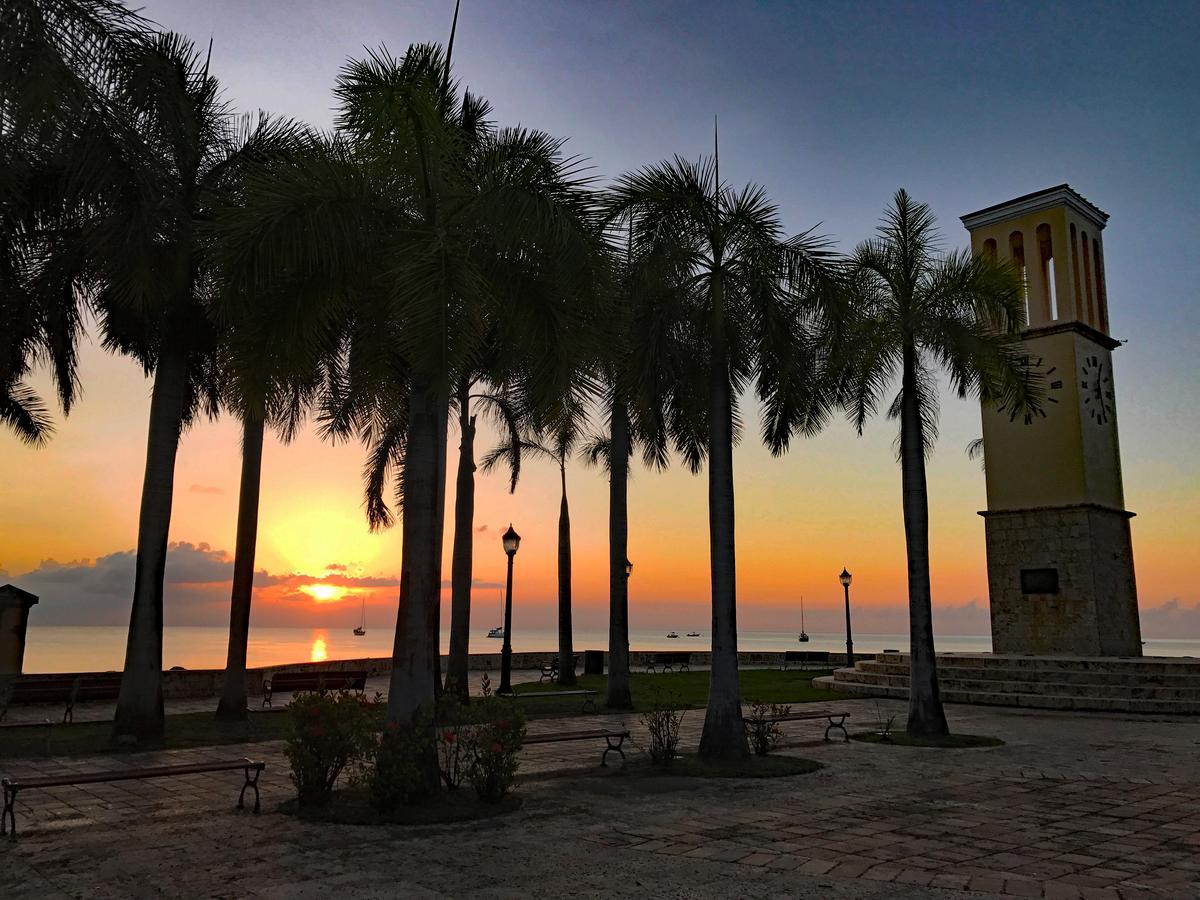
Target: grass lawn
(183, 730)
(948, 742)
(685, 690)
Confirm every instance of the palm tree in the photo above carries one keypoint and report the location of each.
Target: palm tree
(280, 342)
(917, 312)
(434, 252)
(559, 449)
(752, 298)
(57, 61)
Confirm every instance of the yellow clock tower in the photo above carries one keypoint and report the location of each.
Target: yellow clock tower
(1059, 552)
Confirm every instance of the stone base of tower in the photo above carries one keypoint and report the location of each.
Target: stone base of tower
(1061, 581)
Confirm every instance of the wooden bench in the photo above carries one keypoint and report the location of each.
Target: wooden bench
(669, 662)
(827, 714)
(550, 670)
(57, 689)
(283, 682)
(589, 697)
(13, 786)
(805, 658)
(607, 734)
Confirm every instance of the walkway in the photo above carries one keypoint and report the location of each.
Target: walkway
(1087, 806)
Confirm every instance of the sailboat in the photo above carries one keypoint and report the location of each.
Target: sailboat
(498, 631)
(362, 624)
(803, 634)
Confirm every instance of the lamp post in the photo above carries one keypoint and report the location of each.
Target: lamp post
(511, 541)
(844, 578)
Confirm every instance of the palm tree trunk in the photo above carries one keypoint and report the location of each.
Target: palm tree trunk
(411, 694)
(618, 554)
(232, 707)
(925, 713)
(139, 712)
(566, 647)
(460, 566)
(724, 734)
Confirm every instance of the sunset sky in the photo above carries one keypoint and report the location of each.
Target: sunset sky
(831, 108)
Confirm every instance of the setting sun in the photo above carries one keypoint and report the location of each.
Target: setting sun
(324, 593)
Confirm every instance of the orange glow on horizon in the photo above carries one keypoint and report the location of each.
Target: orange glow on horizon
(319, 650)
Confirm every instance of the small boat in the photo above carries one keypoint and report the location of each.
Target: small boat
(673, 634)
(497, 632)
(803, 638)
(362, 625)
(693, 634)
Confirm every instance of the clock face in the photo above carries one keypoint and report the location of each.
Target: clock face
(1096, 384)
(1033, 367)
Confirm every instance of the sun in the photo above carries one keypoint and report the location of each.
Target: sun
(324, 593)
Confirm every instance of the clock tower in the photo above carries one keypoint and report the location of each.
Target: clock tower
(1059, 552)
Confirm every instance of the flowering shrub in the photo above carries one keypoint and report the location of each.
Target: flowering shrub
(329, 732)
(401, 762)
(491, 747)
(662, 721)
(764, 733)
(453, 754)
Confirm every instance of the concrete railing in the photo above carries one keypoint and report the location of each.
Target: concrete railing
(192, 683)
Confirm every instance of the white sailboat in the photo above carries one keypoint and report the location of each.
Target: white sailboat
(803, 634)
(498, 631)
(362, 624)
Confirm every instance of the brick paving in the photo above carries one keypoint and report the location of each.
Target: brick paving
(1073, 806)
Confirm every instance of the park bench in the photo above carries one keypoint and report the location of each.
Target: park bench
(589, 697)
(805, 658)
(59, 689)
(608, 735)
(14, 786)
(826, 714)
(282, 682)
(550, 670)
(670, 662)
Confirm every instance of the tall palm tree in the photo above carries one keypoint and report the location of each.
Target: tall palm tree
(129, 245)
(280, 341)
(753, 296)
(558, 448)
(919, 311)
(434, 253)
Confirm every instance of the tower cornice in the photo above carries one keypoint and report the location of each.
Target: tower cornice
(1059, 195)
(1092, 334)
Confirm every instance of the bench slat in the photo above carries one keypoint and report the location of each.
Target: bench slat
(560, 736)
(63, 780)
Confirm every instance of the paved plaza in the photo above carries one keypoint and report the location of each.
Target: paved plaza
(1074, 805)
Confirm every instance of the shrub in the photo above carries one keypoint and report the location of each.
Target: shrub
(765, 734)
(399, 775)
(452, 750)
(491, 747)
(328, 733)
(663, 721)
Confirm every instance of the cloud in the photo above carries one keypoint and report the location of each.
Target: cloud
(205, 489)
(197, 582)
(481, 529)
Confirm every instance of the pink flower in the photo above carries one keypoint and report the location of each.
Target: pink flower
(316, 731)
(496, 748)
(448, 737)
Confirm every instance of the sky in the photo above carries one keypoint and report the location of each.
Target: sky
(831, 107)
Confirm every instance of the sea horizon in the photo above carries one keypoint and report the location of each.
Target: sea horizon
(97, 648)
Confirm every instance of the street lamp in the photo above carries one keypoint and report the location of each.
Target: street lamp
(844, 578)
(628, 568)
(511, 541)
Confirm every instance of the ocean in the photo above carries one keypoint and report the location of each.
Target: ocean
(102, 648)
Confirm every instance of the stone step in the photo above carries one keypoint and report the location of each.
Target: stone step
(1148, 665)
(1131, 679)
(1025, 700)
(1050, 688)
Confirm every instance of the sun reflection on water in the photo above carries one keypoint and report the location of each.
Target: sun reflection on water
(319, 650)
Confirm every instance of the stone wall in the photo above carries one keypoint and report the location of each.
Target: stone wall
(1094, 612)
